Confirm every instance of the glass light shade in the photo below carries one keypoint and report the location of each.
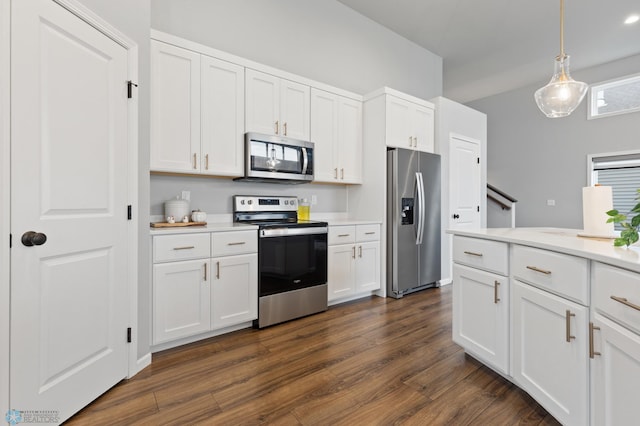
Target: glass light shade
(562, 94)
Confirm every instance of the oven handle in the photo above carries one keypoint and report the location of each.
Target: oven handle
(305, 161)
(287, 232)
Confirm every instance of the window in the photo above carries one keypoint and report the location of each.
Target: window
(620, 171)
(619, 96)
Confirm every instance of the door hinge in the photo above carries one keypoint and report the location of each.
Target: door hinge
(129, 335)
(478, 159)
(129, 212)
(478, 209)
(10, 240)
(130, 85)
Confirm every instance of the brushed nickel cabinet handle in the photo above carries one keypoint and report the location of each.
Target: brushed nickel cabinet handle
(542, 271)
(471, 253)
(205, 271)
(369, 233)
(218, 270)
(335, 173)
(496, 299)
(341, 173)
(343, 235)
(415, 141)
(184, 248)
(360, 251)
(239, 243)
(592, 352)
(568, 316)
(195, 160)
(625, 302)
(277, 127)
(285, 129)
(410, 141)
(353, 255)
(206, 162)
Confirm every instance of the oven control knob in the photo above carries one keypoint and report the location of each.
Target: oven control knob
(249, 202)
(242, 202)
(286, 202)
(293, 202)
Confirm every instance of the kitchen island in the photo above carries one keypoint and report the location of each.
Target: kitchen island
(557, 314)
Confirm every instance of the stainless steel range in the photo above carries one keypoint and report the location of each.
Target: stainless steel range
(292, 258)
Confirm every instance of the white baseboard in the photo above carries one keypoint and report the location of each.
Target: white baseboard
(141, 364)
(445, 281)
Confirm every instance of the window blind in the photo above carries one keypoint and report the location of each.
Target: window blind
(624, 182)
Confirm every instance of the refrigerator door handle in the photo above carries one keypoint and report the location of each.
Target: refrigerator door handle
(421, 212)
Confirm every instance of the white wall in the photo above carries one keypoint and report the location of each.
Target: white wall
(319, 39)
(534, 158)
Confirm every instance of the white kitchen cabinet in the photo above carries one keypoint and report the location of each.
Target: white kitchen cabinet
(615, 345)
(234, 295)
(409, 125)
(175, 108)
(181, 299)
(550, 351)
(276, 106)
(197, 113)
(480, 318)
(203, 283)
(336, 131)
(353, 261)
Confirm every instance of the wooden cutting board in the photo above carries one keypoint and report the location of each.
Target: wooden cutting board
(176, 225)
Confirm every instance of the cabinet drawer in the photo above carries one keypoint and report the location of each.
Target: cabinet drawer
(609, 282)
(167, 248)
(367, 233)
(235, 242)
(491, 256)
(342, 234)
(562, 274)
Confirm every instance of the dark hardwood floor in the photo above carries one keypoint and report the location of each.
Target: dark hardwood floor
(370, 362)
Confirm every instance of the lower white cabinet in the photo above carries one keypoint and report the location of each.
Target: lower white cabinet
(181, 299)
(615, 374)
(481, 315)
(234, 295)
(353, 260)
(196, 296)
(550, 352)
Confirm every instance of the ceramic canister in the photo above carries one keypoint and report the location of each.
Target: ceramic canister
(176, 208)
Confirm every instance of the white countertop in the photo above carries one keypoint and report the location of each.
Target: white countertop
(564, 241)
(339, 222)
(210, 227)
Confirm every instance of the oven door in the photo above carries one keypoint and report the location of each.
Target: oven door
(291, 259)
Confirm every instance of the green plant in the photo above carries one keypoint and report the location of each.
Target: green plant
(630, 228)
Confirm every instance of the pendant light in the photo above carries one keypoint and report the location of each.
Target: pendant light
(562, 94)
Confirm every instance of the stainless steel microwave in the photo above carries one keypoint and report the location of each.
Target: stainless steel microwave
(277, 159)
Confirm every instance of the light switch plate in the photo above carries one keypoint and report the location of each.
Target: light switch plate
(186, 195)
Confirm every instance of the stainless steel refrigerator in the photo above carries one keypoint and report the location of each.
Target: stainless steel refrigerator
(413, 221)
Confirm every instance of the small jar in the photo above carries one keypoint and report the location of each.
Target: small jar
(304, 210)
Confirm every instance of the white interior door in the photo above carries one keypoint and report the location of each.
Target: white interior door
(464, 183)
(69, 296)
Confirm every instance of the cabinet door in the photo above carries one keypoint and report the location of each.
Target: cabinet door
(481, 315)
(222, 98)
(368, 266)
(424, 125)
(262, 103)
(399, 123)
(341, 271)
(181, 297)
(349, 140)
(324, 135)
(175, 109)
(234, 296)
(615, 374)
(554, 371)
(295, 113)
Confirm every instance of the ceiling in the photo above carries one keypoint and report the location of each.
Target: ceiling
(492, 46)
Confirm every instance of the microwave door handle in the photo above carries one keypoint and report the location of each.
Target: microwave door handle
(305, 161)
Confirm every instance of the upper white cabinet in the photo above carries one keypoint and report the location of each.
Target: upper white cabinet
(336, 131)
(197, 112)
(175, 108)
(409, 124)
(276, 106)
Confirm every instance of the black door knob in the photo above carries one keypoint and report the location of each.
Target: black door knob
(31, 238)
(456, 216)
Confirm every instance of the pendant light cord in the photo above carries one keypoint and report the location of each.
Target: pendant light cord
(562, 55)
